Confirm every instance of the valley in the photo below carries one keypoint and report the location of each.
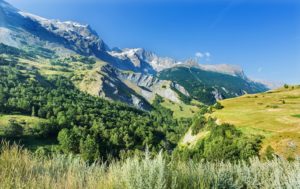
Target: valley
(78, 113)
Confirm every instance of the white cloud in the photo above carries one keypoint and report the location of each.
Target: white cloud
(199, 54)
(207, 54)
(202, 55)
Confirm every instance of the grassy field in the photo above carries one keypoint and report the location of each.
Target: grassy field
(28, 140)
(25, 121)
(181, 110)
(22, 169)
(274, 114)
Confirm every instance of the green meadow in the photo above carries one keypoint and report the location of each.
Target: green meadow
(274, 114)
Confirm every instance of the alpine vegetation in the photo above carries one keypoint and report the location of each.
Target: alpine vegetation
(20, 168)
(76, 113)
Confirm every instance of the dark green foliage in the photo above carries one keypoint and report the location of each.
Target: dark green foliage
(5, 49)
(224, 142)
(29, 52)
(290, 159)
(201, 84)
(199, 123)
(270, 153)
(297, 115)
(77, 117)
(13, 130)
(157, 100)
(286, 86)
(66, 61)
(218, 106)
(89, 148)
(98, 129)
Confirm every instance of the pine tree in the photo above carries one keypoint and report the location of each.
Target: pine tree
(33, 114)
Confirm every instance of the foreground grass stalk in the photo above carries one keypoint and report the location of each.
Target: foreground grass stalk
(21, 169)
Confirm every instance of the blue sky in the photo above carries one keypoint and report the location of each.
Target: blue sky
(262, 36)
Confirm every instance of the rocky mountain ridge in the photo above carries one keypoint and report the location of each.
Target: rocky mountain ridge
(130, 75)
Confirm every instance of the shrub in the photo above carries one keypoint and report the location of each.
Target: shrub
(218, 106)
(13, 130)
(269, 153)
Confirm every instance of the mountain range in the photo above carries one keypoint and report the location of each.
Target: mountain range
(132, 75)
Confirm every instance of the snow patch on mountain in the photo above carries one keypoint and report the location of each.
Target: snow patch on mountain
(138, 56)
(65, 26)
(84, 37)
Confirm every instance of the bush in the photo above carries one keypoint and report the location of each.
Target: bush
(269, 153)
(218, 106)
(224, 142)
(13, 130)
(198, 124)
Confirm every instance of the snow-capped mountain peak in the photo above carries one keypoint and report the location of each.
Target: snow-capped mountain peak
(18, 27)
(83, 35)
(66, 25)
(139, 55)
(55, 34)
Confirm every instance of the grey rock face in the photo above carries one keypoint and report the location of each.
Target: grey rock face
(142, 60)
(180, 89)
(150, 86)
(25, 28)
(114, 88)
(217, 95)
(21, 30)
(140, 79)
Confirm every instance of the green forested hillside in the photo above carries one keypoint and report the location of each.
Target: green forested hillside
(84, 124)
(48, 114)
(202, 85)
(72, 139)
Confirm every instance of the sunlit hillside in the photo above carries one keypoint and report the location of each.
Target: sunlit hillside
(274, 114)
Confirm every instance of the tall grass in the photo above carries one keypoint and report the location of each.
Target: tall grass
(22, 169)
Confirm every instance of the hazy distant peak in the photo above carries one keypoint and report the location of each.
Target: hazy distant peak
(269, 84)
(233, 70)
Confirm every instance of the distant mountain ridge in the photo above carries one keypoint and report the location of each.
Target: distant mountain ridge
(126, 70)
(84, 40)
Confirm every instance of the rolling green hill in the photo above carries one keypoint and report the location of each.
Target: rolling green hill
(273, 114)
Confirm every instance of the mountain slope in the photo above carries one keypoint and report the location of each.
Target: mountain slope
(274, 114)
(46, 105)
(127, 75)
(207, 86)
(21, 29)
(55, 42)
